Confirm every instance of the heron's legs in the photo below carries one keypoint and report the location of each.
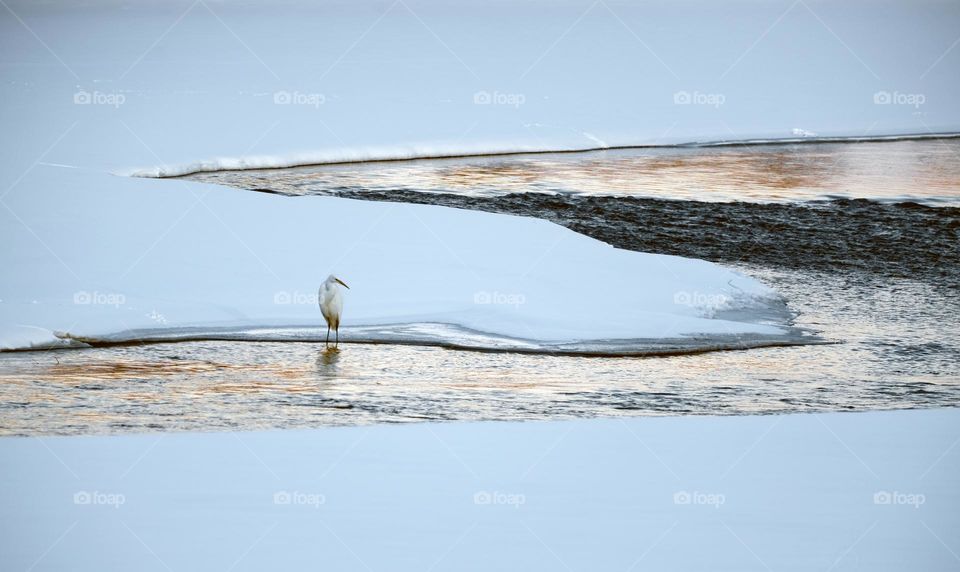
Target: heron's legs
(328, 335)
(337, 343)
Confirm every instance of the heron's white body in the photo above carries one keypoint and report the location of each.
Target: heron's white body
(331, 303)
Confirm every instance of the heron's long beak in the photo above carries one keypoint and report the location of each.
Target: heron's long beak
(341, 283)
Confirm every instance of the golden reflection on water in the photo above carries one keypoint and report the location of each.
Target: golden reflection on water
(100, 370)
(225, 385)
(881, 170)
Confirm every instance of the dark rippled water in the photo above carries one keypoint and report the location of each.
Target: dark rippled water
(877, 274)
(898, 240)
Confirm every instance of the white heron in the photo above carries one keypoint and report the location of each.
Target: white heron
(331, 305)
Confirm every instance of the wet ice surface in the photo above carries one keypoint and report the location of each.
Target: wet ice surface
(920, 170)
(901, 342)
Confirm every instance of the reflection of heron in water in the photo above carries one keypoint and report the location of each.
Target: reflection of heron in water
(327, 362)
(331, 305)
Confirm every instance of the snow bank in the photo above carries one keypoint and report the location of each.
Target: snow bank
(334, 157)
(865, 491)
